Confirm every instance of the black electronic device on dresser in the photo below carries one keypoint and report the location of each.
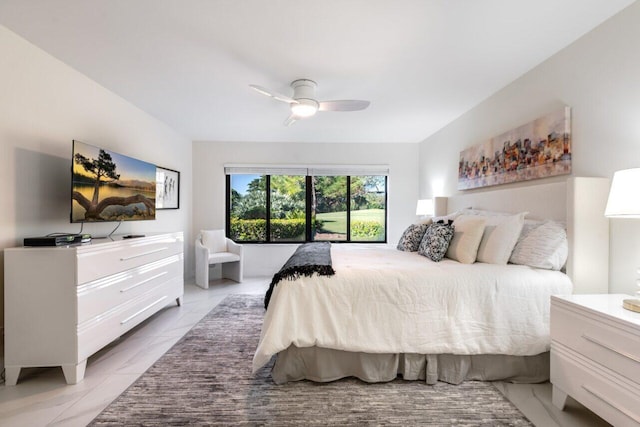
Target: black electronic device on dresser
(57, 240)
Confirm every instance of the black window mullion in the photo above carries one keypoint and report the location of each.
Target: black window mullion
(386, 209)
(309, 210)
(268, 207)
(227, 219)
(348, 205)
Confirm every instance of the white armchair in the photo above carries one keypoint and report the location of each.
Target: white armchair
(213, 247)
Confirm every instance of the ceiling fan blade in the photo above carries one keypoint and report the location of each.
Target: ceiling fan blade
(343, 105)
(290, 120)
(273, 95)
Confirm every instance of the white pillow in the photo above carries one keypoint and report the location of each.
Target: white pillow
(482, 212)
(214, 240)
(544, 246)
(500, 236)
(468, 231)
(447, 218)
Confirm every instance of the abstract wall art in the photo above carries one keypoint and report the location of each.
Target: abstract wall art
(538, 149)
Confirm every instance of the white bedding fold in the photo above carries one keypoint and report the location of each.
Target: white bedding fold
(386, 301)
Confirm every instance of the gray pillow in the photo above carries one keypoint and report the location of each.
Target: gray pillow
(542, 245)
(436, 241)
(411, 238)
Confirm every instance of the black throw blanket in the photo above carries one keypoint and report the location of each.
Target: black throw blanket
(309, 258)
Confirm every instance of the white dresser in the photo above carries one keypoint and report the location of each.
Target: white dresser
(595, 356)
(62, 304)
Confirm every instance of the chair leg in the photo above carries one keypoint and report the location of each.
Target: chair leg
(232, 270)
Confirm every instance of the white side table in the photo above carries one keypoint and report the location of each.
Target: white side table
(595, 355)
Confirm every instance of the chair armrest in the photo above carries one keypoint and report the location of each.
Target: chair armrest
(202, 251)
(200, 246)
(234, 247)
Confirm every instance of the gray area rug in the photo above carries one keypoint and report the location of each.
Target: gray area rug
(205, 379)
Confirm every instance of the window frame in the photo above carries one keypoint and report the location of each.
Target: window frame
(308, 211)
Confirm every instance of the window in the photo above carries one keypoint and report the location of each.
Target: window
(288, 211)
(368, 207)
(248, 208)
(299, 207)
(329, 208)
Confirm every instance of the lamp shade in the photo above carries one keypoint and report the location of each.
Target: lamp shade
(624, 195)
(425, 207)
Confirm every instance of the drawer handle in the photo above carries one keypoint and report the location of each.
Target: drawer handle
(143, 281)
(612, 404)
(608, 347)
(143, 310)
(143, 254)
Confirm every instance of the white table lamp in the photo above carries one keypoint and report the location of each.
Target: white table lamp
(425, 207)
(624, 202)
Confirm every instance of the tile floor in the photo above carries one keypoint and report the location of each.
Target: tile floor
(42, 398)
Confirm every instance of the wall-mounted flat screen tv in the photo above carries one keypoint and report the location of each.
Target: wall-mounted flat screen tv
(107, 186)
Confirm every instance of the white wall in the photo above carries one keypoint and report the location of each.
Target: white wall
(44, 105)
(598, 77)
(209, 184)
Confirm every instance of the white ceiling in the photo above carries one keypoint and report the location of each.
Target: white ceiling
(189, 62)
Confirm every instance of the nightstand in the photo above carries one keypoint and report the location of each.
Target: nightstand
(595, 356)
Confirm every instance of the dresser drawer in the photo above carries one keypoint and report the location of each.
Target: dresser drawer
(95, 333)
(105, 260)
(597, 340)
(613, 397)
(101, 295)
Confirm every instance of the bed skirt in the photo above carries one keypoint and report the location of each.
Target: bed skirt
(323, 365)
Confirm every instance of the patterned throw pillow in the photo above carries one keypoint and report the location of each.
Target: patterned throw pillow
(436, 241)
(411, 238)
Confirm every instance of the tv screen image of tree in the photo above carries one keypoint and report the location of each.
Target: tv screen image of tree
(108, 186)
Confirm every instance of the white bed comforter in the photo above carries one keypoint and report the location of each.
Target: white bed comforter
(382, 300)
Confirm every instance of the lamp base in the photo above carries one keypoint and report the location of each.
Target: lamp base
(631, 304)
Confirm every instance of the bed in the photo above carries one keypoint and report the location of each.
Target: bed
(387, 313)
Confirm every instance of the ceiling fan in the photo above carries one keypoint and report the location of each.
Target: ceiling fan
(303, 103)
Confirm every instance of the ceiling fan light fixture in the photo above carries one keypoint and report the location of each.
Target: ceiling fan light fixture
(303, 103)
(304, 108)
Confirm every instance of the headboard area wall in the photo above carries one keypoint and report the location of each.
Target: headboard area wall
(544, 201)
(579, 202)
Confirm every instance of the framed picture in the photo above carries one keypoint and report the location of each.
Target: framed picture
(538, 149)
(167, 188)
